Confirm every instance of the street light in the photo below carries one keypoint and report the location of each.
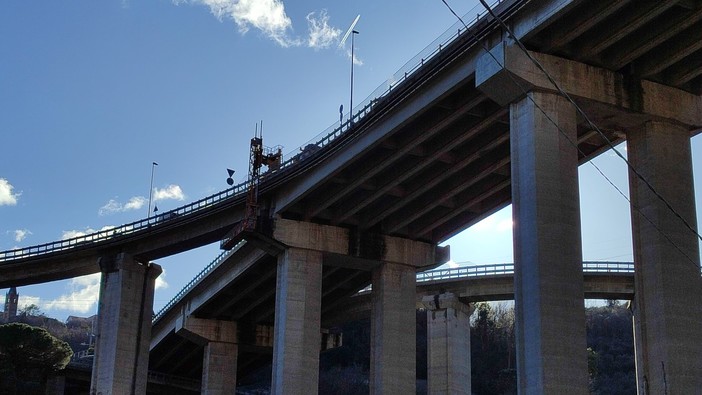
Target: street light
(151, 188)
(353, 35)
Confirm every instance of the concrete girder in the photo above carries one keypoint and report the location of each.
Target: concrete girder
(428, 183)
(455, 185)
(576, 25)
(632, 48)
(655, 63)
(626, 23)
(635, 101)
(382, 163)
(335, 240)
(685, 72)
(437, 152)
(497, 186)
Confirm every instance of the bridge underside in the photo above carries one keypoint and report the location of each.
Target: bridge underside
(447, 165)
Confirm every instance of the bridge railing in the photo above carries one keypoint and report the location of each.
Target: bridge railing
(320, 141)
(508, 268)
(196, 280)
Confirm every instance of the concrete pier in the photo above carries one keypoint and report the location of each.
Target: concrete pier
(448, 343)
(219, 363)
(550, 313)
(668, 300)
(124, 326)
(297, 338)
(393, 330)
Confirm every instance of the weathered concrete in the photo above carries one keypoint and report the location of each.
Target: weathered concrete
(393, 330)
(55, 385)
(668, 299)
(507, 73)
(220, 354)
(448, 344)
(298, 303)
(124, 326)
(550, 324)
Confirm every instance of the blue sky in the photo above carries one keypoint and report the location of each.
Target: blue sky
(91, 93)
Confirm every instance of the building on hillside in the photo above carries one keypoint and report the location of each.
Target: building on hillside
(11, 301)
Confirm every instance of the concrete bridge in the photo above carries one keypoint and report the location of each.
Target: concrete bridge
(479, 123)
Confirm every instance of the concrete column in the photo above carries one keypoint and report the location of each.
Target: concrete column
(668, 297)
(393, 330)
(55, 385)
(124, 326)
(448, 332)
(298, 303)
(219, 339)
(548, 280)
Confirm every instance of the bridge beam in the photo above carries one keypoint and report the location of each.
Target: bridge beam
(668, 298)
(548, 278)
(124, 325)
(448, 343)
(219, 362)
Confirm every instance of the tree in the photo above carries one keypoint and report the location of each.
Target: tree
(32, 310)
(27, 356)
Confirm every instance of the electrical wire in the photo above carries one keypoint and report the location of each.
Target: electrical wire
(589, 122)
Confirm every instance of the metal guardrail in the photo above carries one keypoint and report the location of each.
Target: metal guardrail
(321, 140)
(508, 268)
(196, 280)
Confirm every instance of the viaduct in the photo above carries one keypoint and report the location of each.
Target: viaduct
(503, 112)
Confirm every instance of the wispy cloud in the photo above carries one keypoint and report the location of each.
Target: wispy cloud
(20, 234)
(81, 295)
(171, 192)
(69, 234)
(7, 197)
(322, 35)
(113, 206)
(269, 17)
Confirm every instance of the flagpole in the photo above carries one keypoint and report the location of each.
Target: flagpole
(151, 188)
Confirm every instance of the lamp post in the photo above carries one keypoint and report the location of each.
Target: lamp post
(353, 35)
(151, 188)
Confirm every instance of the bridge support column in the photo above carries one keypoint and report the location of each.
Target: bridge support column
(124, 326)
(393, 330)
(56, 385)
(297, 338)
(548, 278)
(448, 332)
(668, 299)
(221, 350)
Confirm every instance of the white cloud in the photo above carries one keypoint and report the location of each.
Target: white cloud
(321, 34)
(7, 197)
(82, 296)
(170, 192)
(20, 234)
(113, 206)
(161, 280)
(268, 16)
(69, 234)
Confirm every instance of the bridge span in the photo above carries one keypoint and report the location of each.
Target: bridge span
(503, 112)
